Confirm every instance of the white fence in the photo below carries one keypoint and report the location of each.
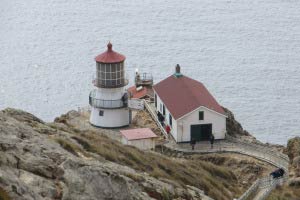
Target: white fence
(266, 185)
(267, 154)
(261, 188)
(154, 116)
(251, 190)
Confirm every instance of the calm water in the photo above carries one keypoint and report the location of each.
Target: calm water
(247, 53)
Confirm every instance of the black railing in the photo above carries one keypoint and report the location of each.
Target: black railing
(143, 79)
(101, 103)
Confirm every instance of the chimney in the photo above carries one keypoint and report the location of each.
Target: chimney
(177, 71)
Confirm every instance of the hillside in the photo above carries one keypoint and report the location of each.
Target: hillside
(70, 160)
(290, 190)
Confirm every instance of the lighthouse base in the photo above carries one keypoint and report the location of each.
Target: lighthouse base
(110, 118)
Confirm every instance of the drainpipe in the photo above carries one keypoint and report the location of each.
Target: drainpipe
(181, 124)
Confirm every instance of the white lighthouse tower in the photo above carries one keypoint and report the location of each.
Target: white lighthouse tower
(109, 98)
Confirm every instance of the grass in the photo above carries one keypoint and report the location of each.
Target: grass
(217, 182)
(285, 193)
(4, 195)
(71, 147)
(166, 194)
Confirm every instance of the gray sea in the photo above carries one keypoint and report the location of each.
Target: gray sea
(247, 53)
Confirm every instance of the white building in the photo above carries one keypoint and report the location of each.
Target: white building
(109, 98)
(142, 138)
(189, 109)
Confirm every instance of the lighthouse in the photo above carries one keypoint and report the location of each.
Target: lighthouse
(108, 100)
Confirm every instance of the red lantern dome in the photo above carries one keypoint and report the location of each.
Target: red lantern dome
(110, 56)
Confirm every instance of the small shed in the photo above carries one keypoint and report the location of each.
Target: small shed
(142, 138)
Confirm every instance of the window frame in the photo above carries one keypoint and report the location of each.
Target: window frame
(101, 113)
(201, 115)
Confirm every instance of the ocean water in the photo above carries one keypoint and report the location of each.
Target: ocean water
(247, 53)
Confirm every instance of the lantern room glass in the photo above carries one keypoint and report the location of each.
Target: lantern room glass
(110, 75)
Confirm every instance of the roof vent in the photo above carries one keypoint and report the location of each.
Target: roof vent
(177, 71)
(109, 46)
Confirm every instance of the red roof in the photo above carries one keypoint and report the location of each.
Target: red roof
(138, 133)
(182, 95)
(137, 94)
(110, 56)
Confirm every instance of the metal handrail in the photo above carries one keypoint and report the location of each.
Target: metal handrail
(258, 146)
(273, 184)
(144, 79)
(258, 151)
(103, 103)
(146, 76)
(266, 182)
(253, 188)
(153, 115)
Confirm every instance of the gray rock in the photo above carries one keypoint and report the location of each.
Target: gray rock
(33, 166)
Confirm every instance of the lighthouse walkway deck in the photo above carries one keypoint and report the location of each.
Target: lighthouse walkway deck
(262, 187)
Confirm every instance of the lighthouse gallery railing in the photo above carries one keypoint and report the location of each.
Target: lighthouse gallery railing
(101, 103)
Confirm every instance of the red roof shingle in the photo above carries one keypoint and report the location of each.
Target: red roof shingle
(137, 94)
(110, 56)
(138, 133)
(182, 95)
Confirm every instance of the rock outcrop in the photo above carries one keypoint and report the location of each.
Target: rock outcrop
(290, 190)
(38, 163)
(293, 151)
(234, 128)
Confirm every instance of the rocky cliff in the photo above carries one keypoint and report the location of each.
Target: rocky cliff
(71, 160)
(234, 128)
(293, 151)
(42, 161)
(46, 161)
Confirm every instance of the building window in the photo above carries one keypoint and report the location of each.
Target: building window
(101, 113)
(155, 100)
(164, 110)
(201, 115)
(160, 107)
(170, 120)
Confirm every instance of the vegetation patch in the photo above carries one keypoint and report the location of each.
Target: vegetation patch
(166, 194)
(285, 193)
(293, 148)
(71, 147)
(4, 195)
(135, 177)
(217, 182)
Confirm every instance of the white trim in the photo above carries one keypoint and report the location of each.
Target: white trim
(204, 116)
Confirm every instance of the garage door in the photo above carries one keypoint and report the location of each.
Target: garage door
(201, 132)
